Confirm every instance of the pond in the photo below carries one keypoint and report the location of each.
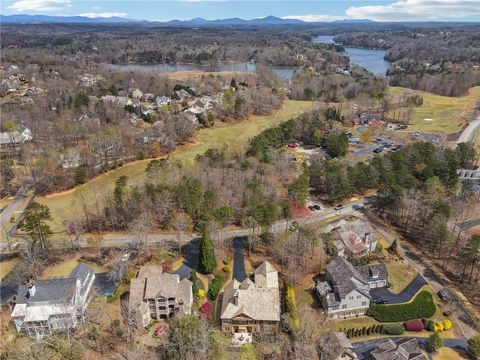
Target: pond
(370, 59)
(284, 72)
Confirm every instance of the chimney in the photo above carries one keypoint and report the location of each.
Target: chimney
(31, 290)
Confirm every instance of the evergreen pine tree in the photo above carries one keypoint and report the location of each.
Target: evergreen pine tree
(207, 262)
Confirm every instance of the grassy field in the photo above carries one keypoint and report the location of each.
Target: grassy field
(66, 205)
(441, 114)
(6, 267)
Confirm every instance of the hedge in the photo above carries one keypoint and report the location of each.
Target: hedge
(421, 307)
(393, 329)
(414, 325)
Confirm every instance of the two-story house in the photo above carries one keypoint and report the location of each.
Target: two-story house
(44, 306)
(155, 294)
(252, 306)
(355, 238)
(345, 291)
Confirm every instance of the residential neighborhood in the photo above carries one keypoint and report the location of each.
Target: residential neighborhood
(239, 180)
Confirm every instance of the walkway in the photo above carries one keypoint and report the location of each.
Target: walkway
(239, 273)
(404, 296)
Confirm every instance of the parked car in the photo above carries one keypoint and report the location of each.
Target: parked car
(380, 301)
(338, 207)
(317, 207)
(378, 150)
(444, 295)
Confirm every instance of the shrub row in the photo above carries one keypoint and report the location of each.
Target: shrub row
(421, 307)
(388, 329)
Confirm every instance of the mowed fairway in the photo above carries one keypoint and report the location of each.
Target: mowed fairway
(440, 114)
(68, 204)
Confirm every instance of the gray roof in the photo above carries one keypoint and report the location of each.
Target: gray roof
(373, 272)
(82, 272)
(403, 349)
(334, 345)
(344, 277)
(55, 289)
(58, 290)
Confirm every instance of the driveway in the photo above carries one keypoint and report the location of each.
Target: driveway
(239, 273)
(405, 295)
(363, 348)
(190, 252)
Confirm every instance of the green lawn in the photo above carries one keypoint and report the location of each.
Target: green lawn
(400, 274)
(440, 114)
(67, 204)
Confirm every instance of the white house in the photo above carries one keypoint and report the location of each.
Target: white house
(45, 306)
(346, 289)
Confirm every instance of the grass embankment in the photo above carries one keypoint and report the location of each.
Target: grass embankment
(400, 274)
(6, 267)
(440, 114)
(67, 204)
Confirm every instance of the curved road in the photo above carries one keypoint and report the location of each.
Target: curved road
(469, 135)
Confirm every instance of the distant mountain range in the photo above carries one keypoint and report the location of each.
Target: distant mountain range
(46, 19)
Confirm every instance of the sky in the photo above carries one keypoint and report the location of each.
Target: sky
(312, 10)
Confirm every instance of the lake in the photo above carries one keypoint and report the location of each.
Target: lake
(372, 60)
(285, 72)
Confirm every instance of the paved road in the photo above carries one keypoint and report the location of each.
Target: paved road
(13, 206)
(471, 132)
(406, 295)
(239, 273)
(122, 240)
(363, 348)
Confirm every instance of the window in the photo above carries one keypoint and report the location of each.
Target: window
(364, 303)
(344, 306)
(350, 298)
(359, 296)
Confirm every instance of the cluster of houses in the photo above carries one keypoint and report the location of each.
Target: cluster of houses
(184, 100)
(249, 307)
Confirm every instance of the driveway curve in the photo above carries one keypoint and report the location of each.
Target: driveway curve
(404, 296)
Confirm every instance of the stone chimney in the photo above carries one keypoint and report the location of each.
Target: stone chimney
(31, 289)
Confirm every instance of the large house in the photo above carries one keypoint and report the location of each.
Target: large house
(403, 349)
(12, 140)
(252, 306)
(155, 294)
(355, 238)
(335, 346)
(346, 289)
(45, 306)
